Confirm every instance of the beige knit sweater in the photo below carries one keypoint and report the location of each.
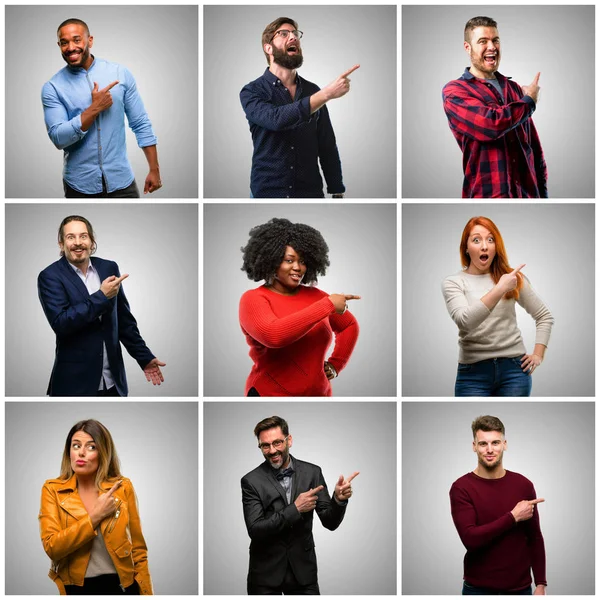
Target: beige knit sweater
(484, 333)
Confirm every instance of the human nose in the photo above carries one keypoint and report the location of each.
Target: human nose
(484, 245)
(82, 451)
(292, 36)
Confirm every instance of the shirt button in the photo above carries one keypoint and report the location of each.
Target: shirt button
(290, 187)
(278, 81)
(292, 147)
(293, 167)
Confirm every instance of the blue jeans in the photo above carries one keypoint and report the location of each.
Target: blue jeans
(471, 590)
(493, 377)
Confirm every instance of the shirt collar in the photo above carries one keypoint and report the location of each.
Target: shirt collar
(274, 80)
(468, 75)
(78, 69)
(78, 270)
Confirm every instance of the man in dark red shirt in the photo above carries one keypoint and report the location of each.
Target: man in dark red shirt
(490, 117)
(494, 511)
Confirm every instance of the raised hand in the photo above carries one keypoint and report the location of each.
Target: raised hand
(105, 505)
(153, 372)
(524, 509)
(307, 501)
(111, 285)
(533, 89)
(339, 302)
(343, 489)
(102, 99)
(341, 86)
(509, 280)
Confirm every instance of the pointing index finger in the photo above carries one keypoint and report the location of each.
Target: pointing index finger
(317, 489)
(346, 73)
(536, 78)
(110, 86)
(518, 268)
(537, 501)
(125, 276)
(352, 476)
(114, 487)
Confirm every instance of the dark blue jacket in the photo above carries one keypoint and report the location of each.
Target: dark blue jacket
(74, 315)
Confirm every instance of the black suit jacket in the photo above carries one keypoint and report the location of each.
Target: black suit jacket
(279, 533)
(74, 315)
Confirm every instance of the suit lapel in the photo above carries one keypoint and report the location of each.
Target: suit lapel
(270, 475)
(72, 277)
(298, 480)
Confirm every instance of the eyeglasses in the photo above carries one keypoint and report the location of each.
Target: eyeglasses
(277, 445)
(285, 32)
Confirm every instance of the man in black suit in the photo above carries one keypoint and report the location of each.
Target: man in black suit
(279, 498)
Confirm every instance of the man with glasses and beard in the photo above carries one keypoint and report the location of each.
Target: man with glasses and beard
(289, 122)
(494, 511)
(85, 104)
(279, 499)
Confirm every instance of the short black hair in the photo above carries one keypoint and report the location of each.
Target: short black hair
(270, 423)
(73, 22)
(265, 249)
(478, 22)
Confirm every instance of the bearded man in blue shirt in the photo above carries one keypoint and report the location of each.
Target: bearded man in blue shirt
(289, 122)
(84, 108)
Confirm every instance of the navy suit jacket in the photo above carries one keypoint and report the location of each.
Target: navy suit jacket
(279, 533)
(74, 315)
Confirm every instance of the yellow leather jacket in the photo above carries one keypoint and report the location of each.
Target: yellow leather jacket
(67, 535)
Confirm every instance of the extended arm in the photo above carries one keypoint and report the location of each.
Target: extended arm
(62, 131)
(259, 321)
(346, 331)
(139, 551)
(475, 536)
(66, 318)
(472, 116)
(259, 527)
(59, 542)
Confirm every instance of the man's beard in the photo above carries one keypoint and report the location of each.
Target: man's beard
(83, 57)
(287, 61)
(490, 466)
(479, 63)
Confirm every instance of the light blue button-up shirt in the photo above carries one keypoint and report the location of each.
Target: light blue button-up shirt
(100, 151)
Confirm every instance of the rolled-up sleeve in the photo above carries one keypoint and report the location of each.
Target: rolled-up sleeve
(62, 131)
(137, 116)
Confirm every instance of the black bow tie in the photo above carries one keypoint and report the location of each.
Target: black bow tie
(284, 473)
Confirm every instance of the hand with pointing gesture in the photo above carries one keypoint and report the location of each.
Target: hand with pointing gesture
(105, 505)
(343, 489)
(307, 501)
(341, 86)
(509, 281)
(533, 89)
(111, 285)
(523, 511)
(101, 99)
(339, 302)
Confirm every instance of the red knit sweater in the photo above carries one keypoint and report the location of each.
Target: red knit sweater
(500, 552)
(289, 337)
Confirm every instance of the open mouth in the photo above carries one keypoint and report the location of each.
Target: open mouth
(296, 277)
(292, 49)
(490, 59)
(484, 258)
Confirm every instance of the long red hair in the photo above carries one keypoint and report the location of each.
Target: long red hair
(500, 264)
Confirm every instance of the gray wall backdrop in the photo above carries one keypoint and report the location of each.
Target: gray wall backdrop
(341, 437)
(335, 39)
(567, 135)
(362, 252)
(156, 244)
(158, 44)
(555, 241)
(157, 444)
(550, 443)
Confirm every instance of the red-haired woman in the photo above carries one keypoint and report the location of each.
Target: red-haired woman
(481, 301)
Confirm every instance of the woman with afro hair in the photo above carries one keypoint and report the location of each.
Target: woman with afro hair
(289, 323)
(481, 301)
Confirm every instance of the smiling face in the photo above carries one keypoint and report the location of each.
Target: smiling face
(286, 52)
(288, 276)
(484, 52)
(481, 248)
(275, 447)
(489, 447)
(83, 454)
(76, 244)
(75, 43)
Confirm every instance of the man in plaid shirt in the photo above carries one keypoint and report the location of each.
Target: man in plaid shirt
(490, 117)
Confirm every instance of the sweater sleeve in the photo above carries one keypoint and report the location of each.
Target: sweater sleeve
(346, 331)
(260, 322)
(475, 536)
(537, 546)
(533, 304)
(467, 317)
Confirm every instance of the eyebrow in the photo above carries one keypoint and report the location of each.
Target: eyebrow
(81, 441)
(487, 38)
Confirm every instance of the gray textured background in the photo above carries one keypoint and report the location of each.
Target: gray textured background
(533, 38)
(550, 443)
(557, 244)
(335, 39)
(158, 44)
(157, 443)
(362, 252)
(340, 437)
(156, 244)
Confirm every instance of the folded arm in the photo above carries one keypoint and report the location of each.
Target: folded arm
(346, 331)
(62, 131)
(66, 318)
(467, 317)
(470, 115)
(258, 320)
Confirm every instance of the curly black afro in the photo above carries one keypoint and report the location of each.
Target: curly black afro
(265, 250)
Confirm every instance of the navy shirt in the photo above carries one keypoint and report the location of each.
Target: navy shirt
(288, 140)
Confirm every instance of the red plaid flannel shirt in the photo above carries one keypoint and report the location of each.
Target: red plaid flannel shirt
(502, 154)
